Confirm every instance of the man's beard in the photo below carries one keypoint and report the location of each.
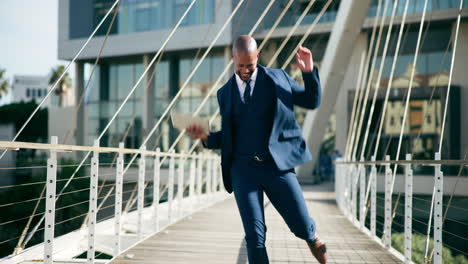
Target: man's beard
(247, 76)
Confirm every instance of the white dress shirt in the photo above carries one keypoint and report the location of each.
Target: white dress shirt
(241, 84)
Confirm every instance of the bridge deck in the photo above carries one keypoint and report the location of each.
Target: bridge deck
(215, 235)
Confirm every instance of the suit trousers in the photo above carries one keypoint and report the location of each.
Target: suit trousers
(250, 180)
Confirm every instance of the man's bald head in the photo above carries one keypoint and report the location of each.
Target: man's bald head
(245, 56)
(244, 43)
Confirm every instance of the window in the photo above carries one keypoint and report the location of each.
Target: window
(316, 8)
(33, 93)
(179, 8)
(114, 82)
(161, 81)
(200, 84)
(146, 15)
(28, 92)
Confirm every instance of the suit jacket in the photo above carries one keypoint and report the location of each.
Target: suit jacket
(286, 144)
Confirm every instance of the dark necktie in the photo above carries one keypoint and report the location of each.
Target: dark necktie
(247, 91)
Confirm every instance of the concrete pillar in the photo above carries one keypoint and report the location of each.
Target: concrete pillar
(461, 78)
(344, 34)
(343, 103)
(147, 100)
(80, 134)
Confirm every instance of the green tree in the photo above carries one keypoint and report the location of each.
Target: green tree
(3, 83)
(418, 245)
(18, 113)
(35, 131)
(63, 86)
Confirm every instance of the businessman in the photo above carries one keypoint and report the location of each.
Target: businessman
(261, 143)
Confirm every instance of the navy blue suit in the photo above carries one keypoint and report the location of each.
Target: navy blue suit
(265, 127)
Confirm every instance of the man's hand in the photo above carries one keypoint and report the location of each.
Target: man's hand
(304, 59)
(196, 132)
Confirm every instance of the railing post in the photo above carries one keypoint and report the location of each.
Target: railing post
(170, 188)
(192, 182)
(199, 179)
(156, 184)
(349, 179)
(340, 186)
(209, 172)
(362, 195)
(50, 204)
(180, 185)
(215, 174)
(221, 181)
(438, 199)
(118, 199)
(373, 184)
(408, 209)
(341, 171)
(141, 190)
(388, 204)
(93, 202)
(354, 178)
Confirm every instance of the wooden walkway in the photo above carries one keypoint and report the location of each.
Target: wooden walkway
(215, 235)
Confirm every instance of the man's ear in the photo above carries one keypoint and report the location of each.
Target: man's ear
(258, 54)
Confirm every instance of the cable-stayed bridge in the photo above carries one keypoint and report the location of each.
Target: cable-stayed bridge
(148, 205)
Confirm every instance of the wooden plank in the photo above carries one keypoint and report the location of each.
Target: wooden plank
(215, 235)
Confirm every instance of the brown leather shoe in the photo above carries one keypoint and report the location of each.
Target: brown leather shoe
(319, 250)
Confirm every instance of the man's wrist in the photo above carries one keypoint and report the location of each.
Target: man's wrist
(204, 142)
(204, 139)
(309, 71)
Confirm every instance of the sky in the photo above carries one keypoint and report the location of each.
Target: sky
(28, 37)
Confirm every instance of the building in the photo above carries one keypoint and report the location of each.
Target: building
(142, 26)
(28, 88)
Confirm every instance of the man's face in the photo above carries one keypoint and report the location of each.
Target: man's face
(245, 64)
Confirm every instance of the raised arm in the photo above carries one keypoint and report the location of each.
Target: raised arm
(309, 95)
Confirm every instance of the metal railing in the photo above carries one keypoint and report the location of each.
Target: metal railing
(192, 180)
(355, 179)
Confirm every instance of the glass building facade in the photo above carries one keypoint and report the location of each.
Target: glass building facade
(110, 86)
(114, 79)
(147, 15)
(414, 7)
(198, 88)
(150, 15)
(423, 122)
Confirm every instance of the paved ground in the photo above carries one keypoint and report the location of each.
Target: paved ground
(215, 235)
